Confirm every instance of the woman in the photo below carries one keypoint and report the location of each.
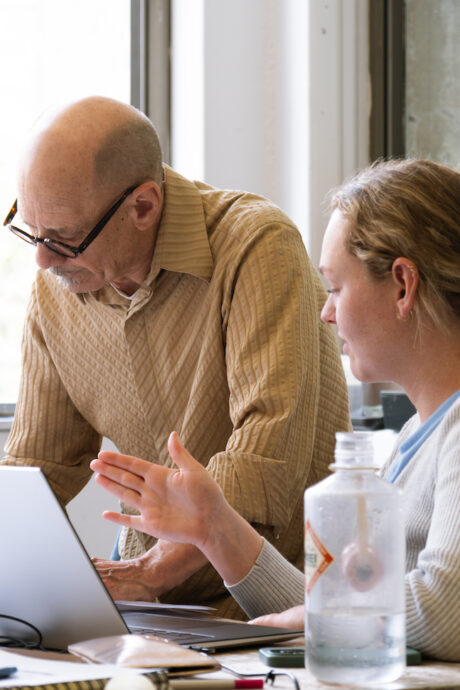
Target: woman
(391, 254)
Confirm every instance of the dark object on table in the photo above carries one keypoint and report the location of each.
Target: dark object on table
(294, 657)
(397, 409)
(367, 418)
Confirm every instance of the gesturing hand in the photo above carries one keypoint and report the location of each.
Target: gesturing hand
(176, 504)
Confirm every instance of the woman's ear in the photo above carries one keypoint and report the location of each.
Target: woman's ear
(147, 205)
(405, 275)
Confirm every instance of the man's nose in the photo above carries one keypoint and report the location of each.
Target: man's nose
(45, 258)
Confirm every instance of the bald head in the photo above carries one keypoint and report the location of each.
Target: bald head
(93, 144)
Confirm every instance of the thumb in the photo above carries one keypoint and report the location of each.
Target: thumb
(180, 455)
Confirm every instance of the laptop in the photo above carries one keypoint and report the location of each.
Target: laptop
(49, 586)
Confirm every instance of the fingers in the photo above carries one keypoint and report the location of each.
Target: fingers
(101, 562)
(118, 489)
(180, 455)
(144, 485)
(116, 472)
(135, 466)
(112, 464)
(116, 475)
(291, 618)
(124, 580)
(122, 519)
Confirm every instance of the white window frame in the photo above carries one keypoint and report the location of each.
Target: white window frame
(274, 97)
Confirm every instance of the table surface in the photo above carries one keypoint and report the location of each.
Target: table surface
(425, 676)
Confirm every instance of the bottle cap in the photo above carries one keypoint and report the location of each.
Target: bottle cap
(354, 450)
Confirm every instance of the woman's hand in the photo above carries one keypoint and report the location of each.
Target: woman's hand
(291, 618)
(184, 505)
(175, 504)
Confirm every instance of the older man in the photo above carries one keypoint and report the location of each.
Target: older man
(164, 304)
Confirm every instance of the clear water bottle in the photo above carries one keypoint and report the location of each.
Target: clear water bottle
(354, 570)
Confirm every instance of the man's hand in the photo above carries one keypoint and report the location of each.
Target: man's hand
(128, 579)
(158, 570)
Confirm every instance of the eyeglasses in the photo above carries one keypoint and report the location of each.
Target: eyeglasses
(269, 677)
(56, 246)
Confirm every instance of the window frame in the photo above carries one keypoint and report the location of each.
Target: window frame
(150, 65)
(150, 85)
(387, 61)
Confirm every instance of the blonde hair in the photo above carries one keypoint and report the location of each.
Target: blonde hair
(411, 209)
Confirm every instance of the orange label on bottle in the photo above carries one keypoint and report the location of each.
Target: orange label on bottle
(317, 557)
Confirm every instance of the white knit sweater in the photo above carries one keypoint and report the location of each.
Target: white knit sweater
(431, 484)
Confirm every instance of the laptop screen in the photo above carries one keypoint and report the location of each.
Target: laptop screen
(49, 582)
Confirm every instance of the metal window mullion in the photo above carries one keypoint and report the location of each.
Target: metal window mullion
(150, 65)
(387, 68)
(139, 9)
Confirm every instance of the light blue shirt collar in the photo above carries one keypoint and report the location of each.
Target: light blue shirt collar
(408, 449)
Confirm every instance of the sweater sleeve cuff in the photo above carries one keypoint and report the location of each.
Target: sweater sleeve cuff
(271, 586)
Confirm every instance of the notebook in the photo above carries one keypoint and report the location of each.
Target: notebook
(48, 580)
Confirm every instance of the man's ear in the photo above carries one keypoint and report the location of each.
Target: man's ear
(405, 275)
(146, 205)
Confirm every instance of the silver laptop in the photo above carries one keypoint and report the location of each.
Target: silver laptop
(48, 581)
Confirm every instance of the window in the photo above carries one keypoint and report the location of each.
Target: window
(51, 51)
(414, 62)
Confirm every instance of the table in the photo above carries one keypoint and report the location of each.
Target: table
(426, 676)
(429, 675)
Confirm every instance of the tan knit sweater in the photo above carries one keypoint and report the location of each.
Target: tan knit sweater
(222, 343)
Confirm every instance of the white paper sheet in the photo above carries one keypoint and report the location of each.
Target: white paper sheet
(40, 671)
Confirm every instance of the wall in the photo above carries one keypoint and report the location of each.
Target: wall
(271, 96)
(85, 513)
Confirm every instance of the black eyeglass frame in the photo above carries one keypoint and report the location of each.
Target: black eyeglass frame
(53, 245)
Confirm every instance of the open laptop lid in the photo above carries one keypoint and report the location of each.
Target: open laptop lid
(48, 580)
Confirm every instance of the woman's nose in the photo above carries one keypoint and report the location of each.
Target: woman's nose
(328, 311)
